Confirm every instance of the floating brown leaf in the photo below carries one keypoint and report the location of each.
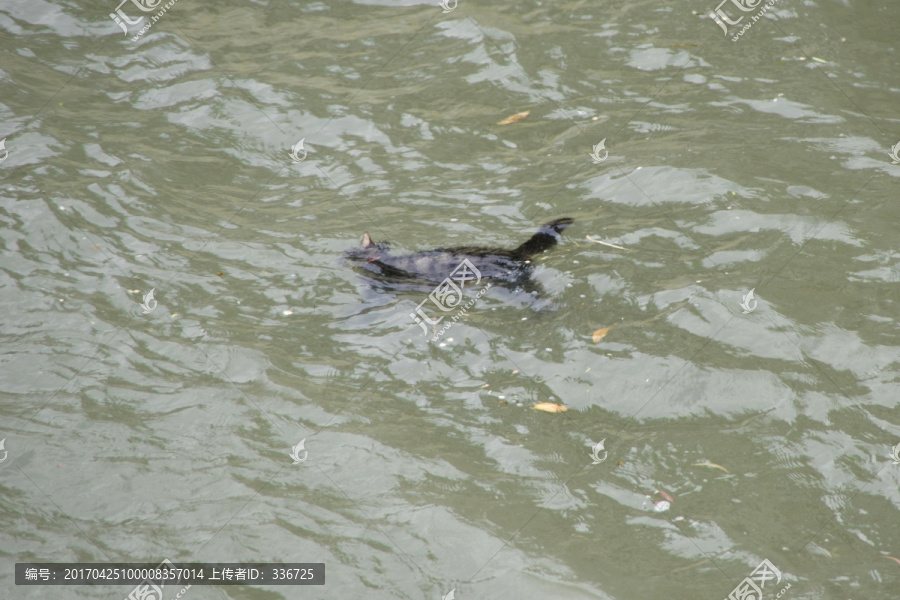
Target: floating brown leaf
(600, 334)
(514, 118)
(550, 407)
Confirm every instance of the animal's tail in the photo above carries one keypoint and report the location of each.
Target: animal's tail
(545, 238)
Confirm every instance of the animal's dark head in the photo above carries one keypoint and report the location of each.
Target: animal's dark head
(368, 250)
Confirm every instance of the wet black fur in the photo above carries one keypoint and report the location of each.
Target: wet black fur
(498, 264)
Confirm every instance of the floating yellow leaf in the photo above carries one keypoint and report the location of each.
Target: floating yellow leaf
(709, 464)
(550, 407)
(514, 118)
(600, 334)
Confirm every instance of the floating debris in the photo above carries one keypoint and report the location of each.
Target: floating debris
(590, 239)
(664, 504)
(713, 465)
(896, 560)
(665, 495)
(514, 118)
(550, 407)
(600, 334)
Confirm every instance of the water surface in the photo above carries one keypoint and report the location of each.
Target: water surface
(164, 163)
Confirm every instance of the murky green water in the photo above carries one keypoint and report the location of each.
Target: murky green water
(164, 163)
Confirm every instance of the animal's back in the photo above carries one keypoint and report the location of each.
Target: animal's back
(512, 266)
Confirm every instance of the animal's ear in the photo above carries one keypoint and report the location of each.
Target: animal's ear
(366, 241)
